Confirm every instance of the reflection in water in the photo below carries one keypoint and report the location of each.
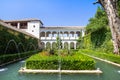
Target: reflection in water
(119, 71)
(22, 61)
(3, 69)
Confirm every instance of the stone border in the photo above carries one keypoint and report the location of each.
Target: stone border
(98, 71)
(104, 60)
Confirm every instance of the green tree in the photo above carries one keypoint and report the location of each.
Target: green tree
(59, 42)
(98, 28)
(112, 8)
(80, 42)
(98, 21)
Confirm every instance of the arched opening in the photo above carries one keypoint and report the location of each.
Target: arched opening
(61, 34)
(54, 34)
(48, 45)
(78, 45)
(42, 34)
(66, 45)
(65, 34)
(71, 34)
(48, 34)
(42, 45)
(78, 33)
(72, 45)
(54, 45)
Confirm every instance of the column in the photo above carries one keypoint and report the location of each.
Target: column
(51, 44)
(63, 45)
(45, 34)
(45, 45)
(69, 45)
(69, 34)
(74, 34)
(74, 45)
(83, 33)
(62, 35)
(18, 25)
(52, 35)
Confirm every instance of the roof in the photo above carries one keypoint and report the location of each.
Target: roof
(64, 27)
(23, 20)
(13, 28)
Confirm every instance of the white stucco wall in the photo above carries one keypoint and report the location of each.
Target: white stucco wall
(34, 28)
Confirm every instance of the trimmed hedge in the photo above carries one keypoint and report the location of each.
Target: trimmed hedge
(13, 57)
(108, 56)
(75, 62)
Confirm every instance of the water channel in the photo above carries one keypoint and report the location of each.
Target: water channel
(10, 72)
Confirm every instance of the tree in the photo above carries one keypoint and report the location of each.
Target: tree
(112, 8)
(98, 29)
(59, 42)
(98, 21)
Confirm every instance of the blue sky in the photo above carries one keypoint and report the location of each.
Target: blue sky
(50, 12)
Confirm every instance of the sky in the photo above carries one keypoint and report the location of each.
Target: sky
(50, 12)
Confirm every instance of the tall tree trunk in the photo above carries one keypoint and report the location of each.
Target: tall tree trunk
(110, 7)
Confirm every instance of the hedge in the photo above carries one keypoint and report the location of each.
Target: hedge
(13, 57)
(75, 62)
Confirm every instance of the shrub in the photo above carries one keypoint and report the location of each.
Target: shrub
(13, 57)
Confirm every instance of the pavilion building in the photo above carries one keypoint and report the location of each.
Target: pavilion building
(48, 35)
(67, 34)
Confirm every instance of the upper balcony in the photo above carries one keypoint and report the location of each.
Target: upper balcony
(62, 38)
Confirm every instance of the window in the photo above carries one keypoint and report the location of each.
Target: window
(33, 26)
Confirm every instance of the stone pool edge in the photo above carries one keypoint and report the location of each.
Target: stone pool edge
(24, 70)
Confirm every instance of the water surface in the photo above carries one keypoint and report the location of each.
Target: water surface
(10, 72)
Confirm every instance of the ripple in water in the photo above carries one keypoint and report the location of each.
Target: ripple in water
(119, 71)
(22, 61)
(3, 69)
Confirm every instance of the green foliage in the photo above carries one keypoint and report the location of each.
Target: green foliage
(7, 34)
(75, 62)
(99, 21)
(87, 41)
(80, 42)
(52, 52)
(110, 56)
(98, 37)
(98, 33)
(13, 57)
(107, 46)
(59, 43)
(118, 3)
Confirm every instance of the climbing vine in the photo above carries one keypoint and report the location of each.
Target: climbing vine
(7, 34)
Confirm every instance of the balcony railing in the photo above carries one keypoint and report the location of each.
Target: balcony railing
(63, 38)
